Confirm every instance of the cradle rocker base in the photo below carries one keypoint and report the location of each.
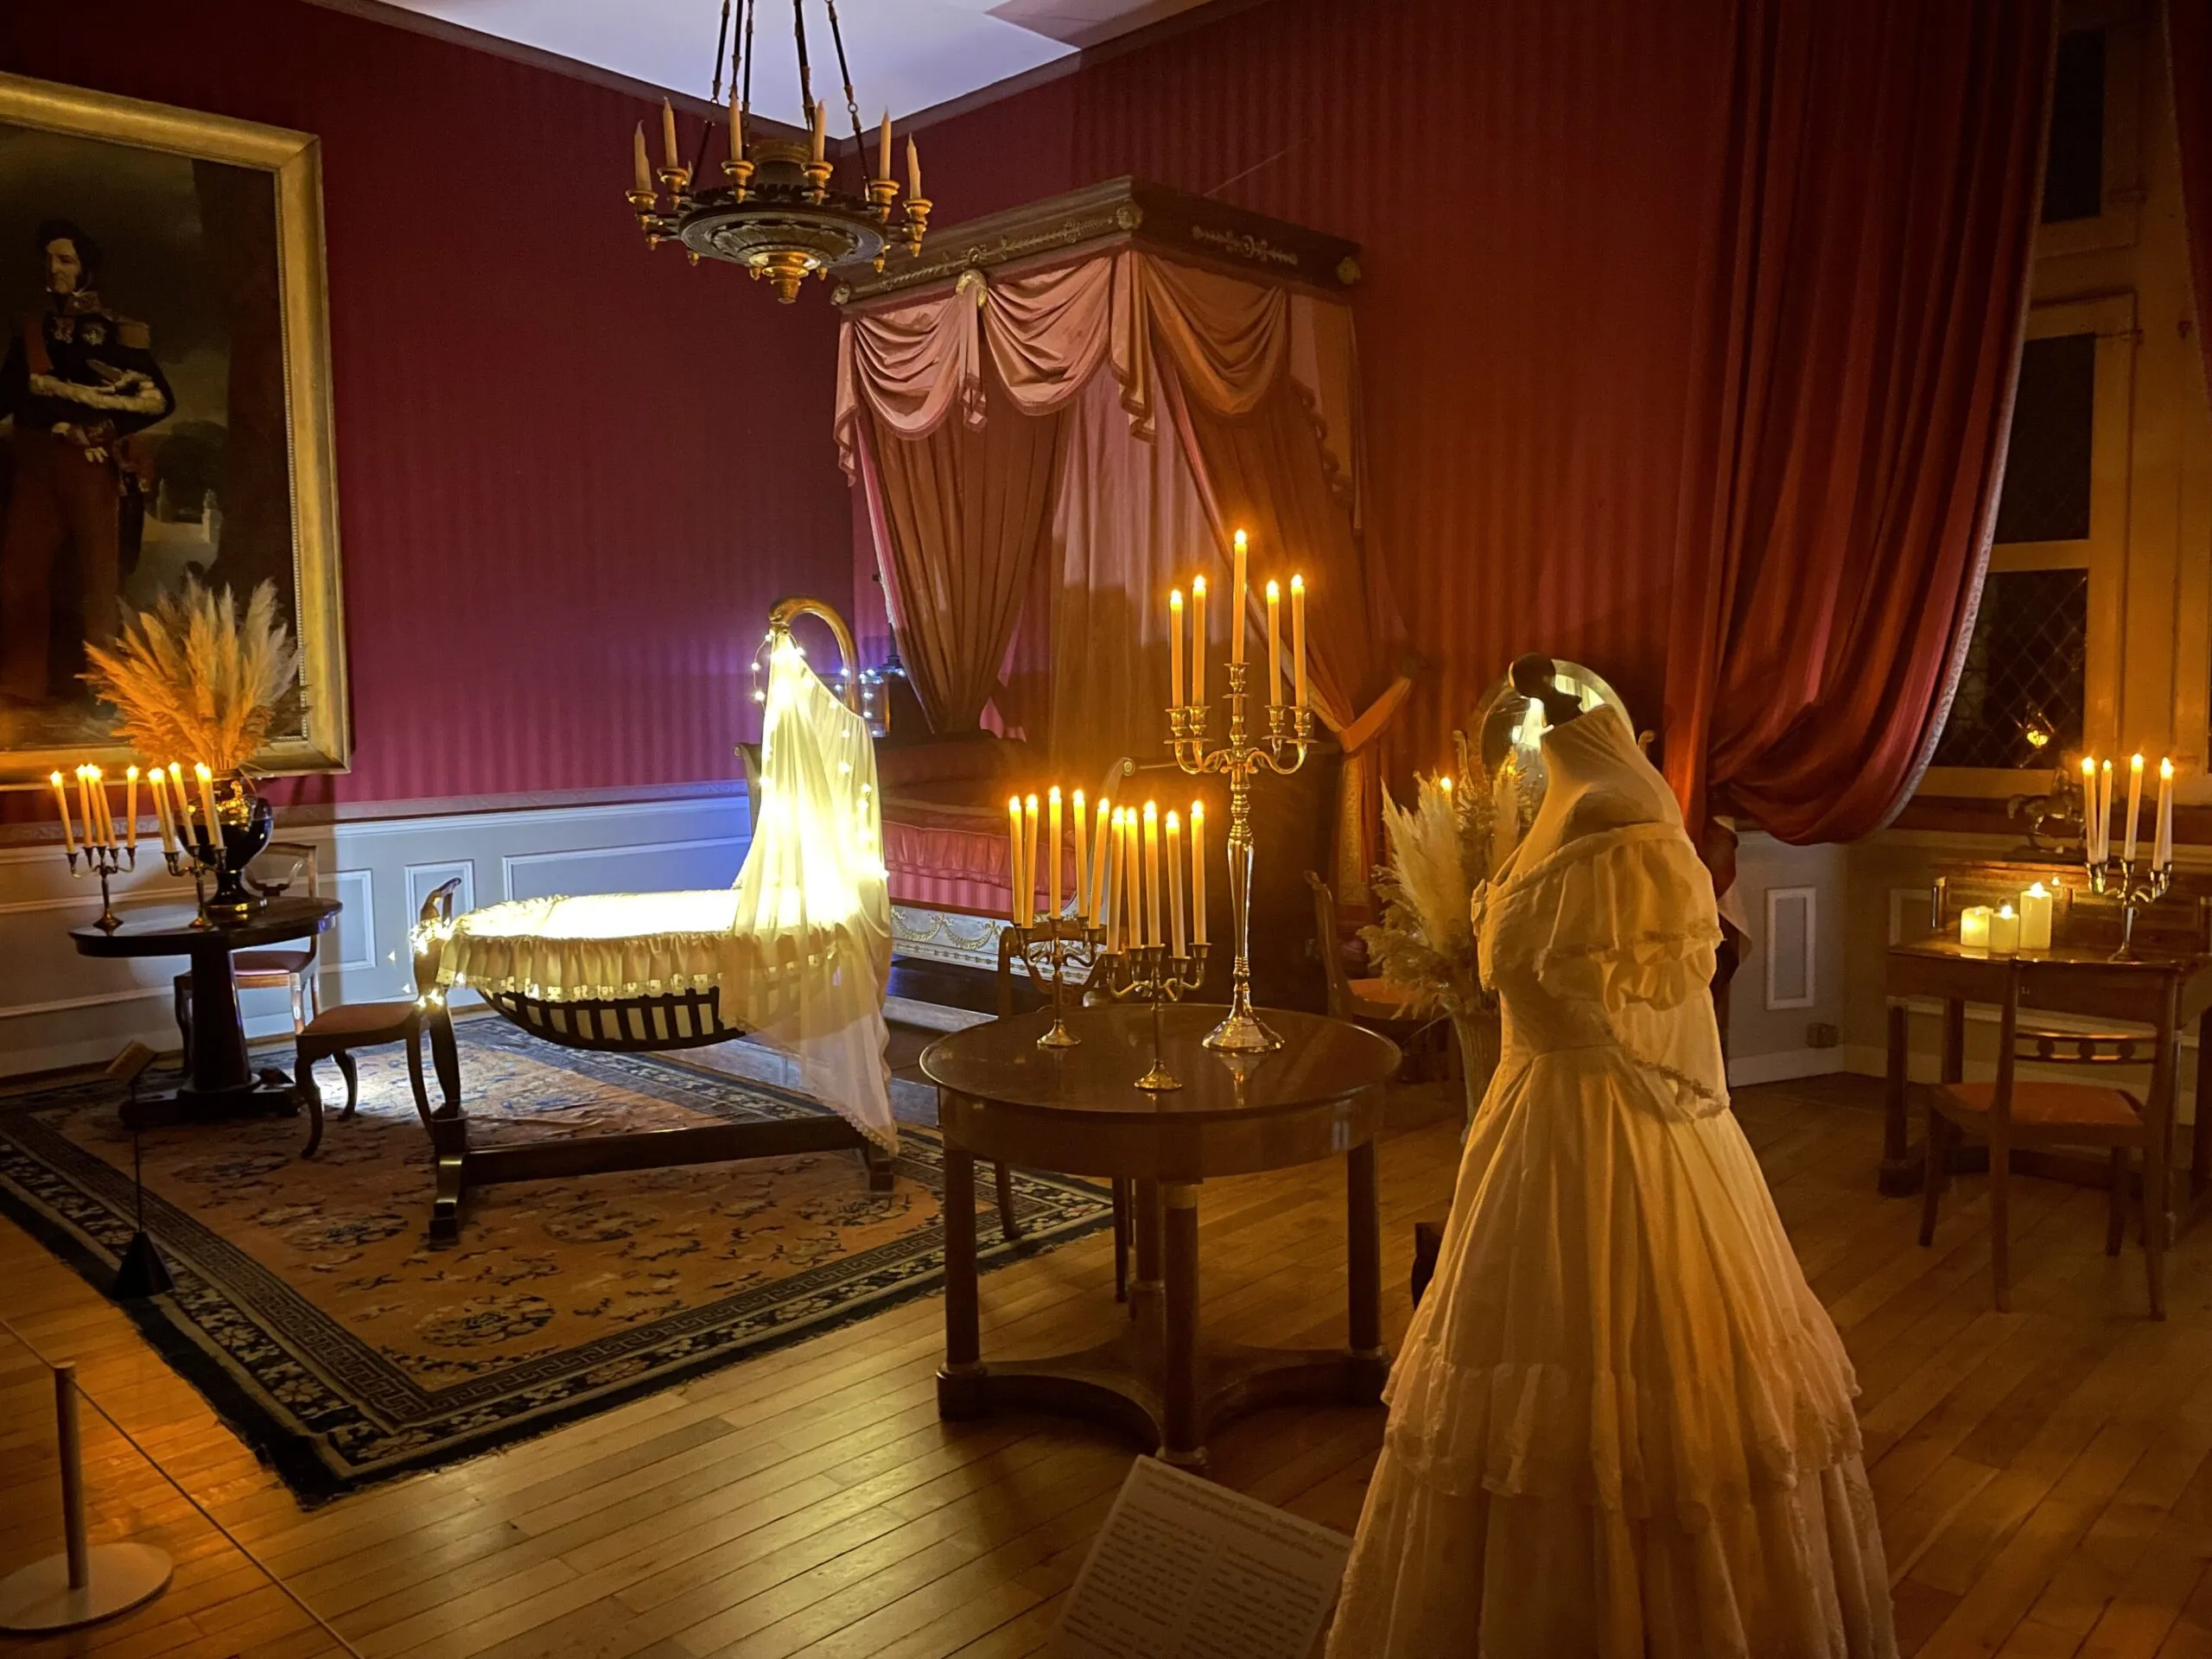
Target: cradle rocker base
(460, 1168)
(636, 1025)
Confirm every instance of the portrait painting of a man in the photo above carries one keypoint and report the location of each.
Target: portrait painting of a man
(163, 400)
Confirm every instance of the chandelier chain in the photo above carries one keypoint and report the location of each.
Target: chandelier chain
(707, 128)
(744, 87)
(852, 104)
(805, 70)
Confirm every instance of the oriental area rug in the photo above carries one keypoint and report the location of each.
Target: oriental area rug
(311, 1314)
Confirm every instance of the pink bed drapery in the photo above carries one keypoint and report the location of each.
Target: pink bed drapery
(1234, 404)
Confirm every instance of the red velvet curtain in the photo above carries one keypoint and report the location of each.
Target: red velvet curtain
(2189, 51)
(1853, 371)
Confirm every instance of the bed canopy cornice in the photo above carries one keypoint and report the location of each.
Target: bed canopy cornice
(1103, 217)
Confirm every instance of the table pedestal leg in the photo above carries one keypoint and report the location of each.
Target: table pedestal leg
(1370, 1363)
(222, 1084)
(1144, 1288)
(960, 1390)
(1185, 1443)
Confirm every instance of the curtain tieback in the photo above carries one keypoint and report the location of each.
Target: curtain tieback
(1378, 716)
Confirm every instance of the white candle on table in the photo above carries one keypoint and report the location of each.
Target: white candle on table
(2035, 918)
(207, 799)
(1275, 642)
(1151, 933)
(2134, 806)
(2089, 807)
(1175, 885)
(1973, 927)
(1013, 859)
(1237, 603)
(1029, 859)
(1082, 861)
(1115, 907)
(1198, 873)
(2104, 812)
(85, 805)
(1175, 647)
(180, 803)
(2004, 932)
(131, 807)
(1132, 895)
(2162, 852)
(1054, 852)
(1199, 640)
(1101, 857)
(160, 780)
(1297, 638)
(61, 806)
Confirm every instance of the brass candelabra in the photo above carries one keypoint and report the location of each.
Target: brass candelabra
(1055, 949)
(107, 861)
(2135, 883)
(1154, 974)
(1289, 731)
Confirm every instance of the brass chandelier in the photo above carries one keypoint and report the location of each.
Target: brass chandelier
(780, 214)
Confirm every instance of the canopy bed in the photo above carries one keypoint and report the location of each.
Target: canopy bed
(795, 954)
(1053, 416)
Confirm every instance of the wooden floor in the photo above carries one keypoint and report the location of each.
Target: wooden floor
(2045, 1476)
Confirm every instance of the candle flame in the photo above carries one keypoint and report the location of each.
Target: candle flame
(1240, 541)
(1198, 587)
(1174, 599)
(2089, 765)
(1274, 590)
(2135, 763)
(54, 779)
(1053, 793)
(2165, 770)
(1076, 800)
(1151, 810)
(1174, 821)
(2005, 911)
(2036, 889)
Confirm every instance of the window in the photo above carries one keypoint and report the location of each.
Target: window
(2023, 696)
(2074, 174)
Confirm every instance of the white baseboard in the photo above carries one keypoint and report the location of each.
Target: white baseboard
(58, 1009)
(1784, 1066)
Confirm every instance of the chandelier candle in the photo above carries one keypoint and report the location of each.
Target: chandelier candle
(1280, 748)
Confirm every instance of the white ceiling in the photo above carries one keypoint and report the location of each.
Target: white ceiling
(906, 55)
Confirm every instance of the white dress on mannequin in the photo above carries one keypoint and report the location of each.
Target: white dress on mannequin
(1621, 1425)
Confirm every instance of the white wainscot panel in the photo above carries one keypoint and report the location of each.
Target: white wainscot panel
(669, 866)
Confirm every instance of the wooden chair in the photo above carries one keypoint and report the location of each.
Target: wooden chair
(291, 969)
(2014, 1113)
(1382, 1006)
(335, 1033)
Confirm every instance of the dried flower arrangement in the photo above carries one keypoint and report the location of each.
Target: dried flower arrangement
(1439, 852)
(196, 679)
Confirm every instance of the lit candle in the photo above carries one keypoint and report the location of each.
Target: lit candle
(1198, 873)
(106, 803)
(1082, 861)
(1275, 642)
(2090, 808)
(1175, 884)
(2104, 812)
(913, 169)
(1199, 641)
(2004, 932)
(2134, 806)
(207, 799)
(131, 807)
(160, 781)
(1175, 647)
(2162, 853)
(61, 806)
(85, 805)
(668, 134)
(1101, 854)
(820, 134)
(1973, 927)
(1133, 933)
(180, 803)
(883, 149)
(1029, 859)
(643, 167)
(2035, 918)
(1236, 623)
(1056, 849)
(1151, 933)
(1111, 899)
(1013, 859)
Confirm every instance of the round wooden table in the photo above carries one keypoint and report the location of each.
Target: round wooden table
(222, 1085)
(1076, 1111)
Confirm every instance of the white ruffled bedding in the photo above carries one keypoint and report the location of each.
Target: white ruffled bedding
(797, 952)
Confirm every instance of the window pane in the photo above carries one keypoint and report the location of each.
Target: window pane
(2073, 179)
(2046, 497)
(2025, 673)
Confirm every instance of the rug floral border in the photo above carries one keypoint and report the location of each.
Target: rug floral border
(331, 1416)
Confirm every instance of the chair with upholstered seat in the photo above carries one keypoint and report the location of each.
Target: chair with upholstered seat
(335, 1033)
(1381, 1005)
(2012, 1112)
(291, 969)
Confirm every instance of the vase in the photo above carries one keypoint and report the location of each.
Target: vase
(247, 821)
(1480, 1036)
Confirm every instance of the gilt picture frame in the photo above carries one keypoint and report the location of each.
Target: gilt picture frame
(165, 405)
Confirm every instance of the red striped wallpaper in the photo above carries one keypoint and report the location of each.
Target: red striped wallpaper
(1526, 178)
(572, 475)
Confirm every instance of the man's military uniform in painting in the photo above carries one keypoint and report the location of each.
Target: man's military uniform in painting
(77, 379)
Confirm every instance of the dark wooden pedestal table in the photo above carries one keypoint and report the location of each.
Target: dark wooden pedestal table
(222, 1085)
(1077, 1111)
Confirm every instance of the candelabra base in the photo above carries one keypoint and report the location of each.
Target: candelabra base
(1159, 1080)
(1059, 1036)
(1240, 1033)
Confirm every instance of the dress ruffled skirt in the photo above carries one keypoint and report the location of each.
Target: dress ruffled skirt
(1622, 1424)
